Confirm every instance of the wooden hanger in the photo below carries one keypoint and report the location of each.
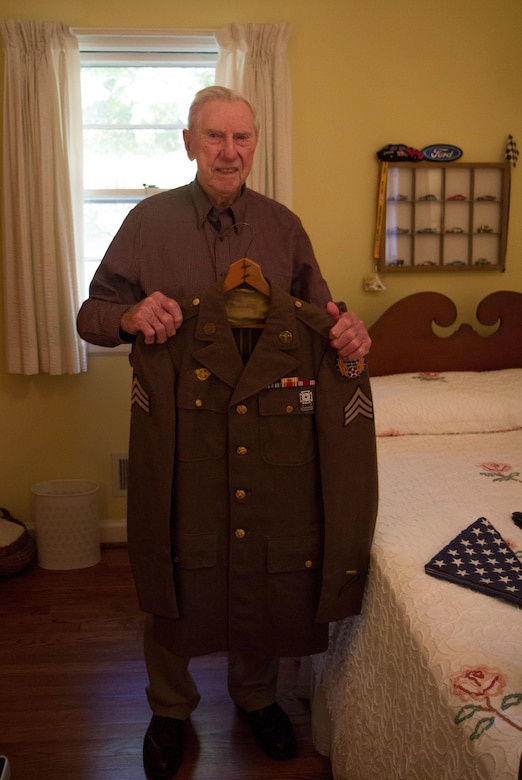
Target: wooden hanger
(246, 271)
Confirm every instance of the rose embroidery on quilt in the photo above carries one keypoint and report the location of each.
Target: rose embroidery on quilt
(479, 685)
(500, 472)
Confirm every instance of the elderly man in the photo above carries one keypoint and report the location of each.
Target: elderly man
(172, 247)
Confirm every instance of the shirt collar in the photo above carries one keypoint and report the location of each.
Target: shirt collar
(203, 204)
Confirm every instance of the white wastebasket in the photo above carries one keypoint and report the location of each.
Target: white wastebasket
(66, 523)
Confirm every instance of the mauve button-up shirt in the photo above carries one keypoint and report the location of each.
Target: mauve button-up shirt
(168, 243)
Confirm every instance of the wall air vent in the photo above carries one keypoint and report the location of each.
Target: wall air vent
(120, 473)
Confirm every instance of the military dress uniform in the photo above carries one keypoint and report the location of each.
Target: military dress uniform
(253, 482)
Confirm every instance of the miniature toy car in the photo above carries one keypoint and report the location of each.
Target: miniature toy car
(398, 152)
(457, 197)
(484, 229)
(482, 261)
(396, 231)
(455, 230)
(398, 197)
(486, 197)
(430, 196)
(428, 230)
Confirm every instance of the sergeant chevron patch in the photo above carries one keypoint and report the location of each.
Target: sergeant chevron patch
(139, 396)
(359, 403)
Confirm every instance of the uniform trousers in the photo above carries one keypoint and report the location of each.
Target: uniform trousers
(172, 692)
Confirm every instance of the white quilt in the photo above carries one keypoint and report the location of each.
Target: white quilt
(426, 684)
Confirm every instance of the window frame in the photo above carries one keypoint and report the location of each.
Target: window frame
(146, 47)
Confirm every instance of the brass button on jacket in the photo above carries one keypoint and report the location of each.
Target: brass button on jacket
(285, 337)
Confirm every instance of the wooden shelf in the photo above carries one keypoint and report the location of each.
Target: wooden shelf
(442, 216)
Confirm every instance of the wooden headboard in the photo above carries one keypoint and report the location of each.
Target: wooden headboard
(403, 339)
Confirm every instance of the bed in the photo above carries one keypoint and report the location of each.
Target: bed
(426, 683)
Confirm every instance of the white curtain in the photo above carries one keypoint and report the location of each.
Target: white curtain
(252, 60)
(41, 198)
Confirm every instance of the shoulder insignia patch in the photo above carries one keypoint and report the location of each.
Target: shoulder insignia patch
(351, 369)
(359, 403)
(139, 396)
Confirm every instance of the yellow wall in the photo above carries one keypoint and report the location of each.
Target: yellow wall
(365, 73)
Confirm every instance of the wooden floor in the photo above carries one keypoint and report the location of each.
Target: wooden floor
(72, 679)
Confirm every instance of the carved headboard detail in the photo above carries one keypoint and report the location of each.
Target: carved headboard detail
(403, 339)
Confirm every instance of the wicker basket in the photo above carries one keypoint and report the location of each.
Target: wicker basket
(20, 553)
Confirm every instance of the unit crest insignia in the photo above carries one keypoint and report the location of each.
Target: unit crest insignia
(351, 369)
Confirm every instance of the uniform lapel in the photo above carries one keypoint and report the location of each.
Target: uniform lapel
(274, 354)
(218, 353)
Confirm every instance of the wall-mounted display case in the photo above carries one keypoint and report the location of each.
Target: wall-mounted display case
(442, 216)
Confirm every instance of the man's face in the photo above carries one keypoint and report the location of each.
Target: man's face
(223, 144)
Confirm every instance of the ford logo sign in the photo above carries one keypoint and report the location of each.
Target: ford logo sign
(442, 153)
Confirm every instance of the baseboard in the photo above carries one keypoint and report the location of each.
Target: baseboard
(113, 532)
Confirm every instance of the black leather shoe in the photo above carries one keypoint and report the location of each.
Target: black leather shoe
(272, 731)
(163, 748)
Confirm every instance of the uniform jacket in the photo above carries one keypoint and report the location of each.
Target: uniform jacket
(252, 500)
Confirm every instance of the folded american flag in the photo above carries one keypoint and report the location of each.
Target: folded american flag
(479, 558)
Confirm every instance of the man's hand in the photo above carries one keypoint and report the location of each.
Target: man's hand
(348, 336)
(156, 316)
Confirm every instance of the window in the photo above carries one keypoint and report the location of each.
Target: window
(136, 91)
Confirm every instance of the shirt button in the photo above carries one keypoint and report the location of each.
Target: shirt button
(241, 409)
(289, 409)
(195, 302)
(285, 337)
(298, 304)
(239, 533)
(198, 403)
(241, 450)
(240, 495)
(309, 564)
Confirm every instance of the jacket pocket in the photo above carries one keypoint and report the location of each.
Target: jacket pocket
(293, 554)
(195, 551)
(287, 425)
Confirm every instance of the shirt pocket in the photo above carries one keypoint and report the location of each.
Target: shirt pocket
(201, 424)
(287, 426)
